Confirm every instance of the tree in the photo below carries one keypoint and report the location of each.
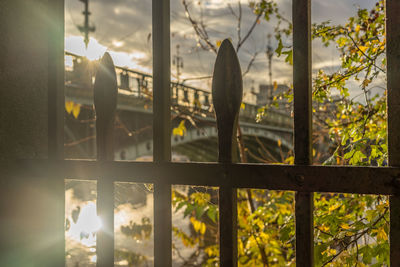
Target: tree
(350, 229)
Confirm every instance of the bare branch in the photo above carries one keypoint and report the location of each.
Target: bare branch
(249, 32)
(82, 140)
(239, 26)
(250, 64)
(199, 30)
(232, 11)
(197, 78)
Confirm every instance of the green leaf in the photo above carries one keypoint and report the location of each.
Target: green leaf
(212, 213)
(278, 50)
(289, 56)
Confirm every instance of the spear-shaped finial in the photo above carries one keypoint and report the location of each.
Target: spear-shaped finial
(105, 102)
(227, 91)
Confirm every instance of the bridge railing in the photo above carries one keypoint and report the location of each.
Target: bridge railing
(80, 73)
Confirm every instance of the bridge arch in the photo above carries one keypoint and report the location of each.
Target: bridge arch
(145, 148)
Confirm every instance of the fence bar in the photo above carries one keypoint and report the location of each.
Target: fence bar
(105, 101)
(227, 91)
(56, 80)
(162, 131)
(393, 109)
(56, 125)
(303, 127)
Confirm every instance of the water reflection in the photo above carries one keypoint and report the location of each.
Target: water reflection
(81, 223)
(133, 224)
(194, 220)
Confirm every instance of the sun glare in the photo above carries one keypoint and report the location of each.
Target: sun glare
(117, 43)
(86, 226)
(75, 44)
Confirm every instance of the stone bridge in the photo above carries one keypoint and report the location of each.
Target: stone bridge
(189, 104)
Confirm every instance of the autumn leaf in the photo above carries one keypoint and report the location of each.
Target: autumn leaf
(69, 105)
(76, 110)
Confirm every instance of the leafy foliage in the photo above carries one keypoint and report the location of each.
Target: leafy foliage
(350, 229)
(265, 228)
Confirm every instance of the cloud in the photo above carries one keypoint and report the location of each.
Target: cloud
(124, 26)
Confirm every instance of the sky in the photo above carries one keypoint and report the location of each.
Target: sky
(123, 28)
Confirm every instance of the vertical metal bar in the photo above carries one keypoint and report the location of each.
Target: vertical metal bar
(105, 101)
(393, 109)
(228, 225)
(55, 113)
(227, 91)
(56, 80)
(303, 126)
(162, 130)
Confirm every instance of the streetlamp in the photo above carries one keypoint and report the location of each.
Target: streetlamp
(269, 52)
(178, 62)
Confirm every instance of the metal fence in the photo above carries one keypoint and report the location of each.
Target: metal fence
(228, 176)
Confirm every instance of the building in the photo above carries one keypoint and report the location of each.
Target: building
(266, 93)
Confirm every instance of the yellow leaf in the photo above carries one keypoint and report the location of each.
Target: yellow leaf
(203, 228)
(358, 28)
(240, 247)
(381, 235)
(242, 106)
(366, 82)
(76, 110)
(219, 43)
(342, 42)
(381, 207)
(194, 223)
(332, 251)
(177, 131)
(198, 226)
(324, 228)
(69, 105)
(279, 142)
(329, 251)
(289, 160)
(180, 130)
(334, 207)
(363, 48)
(345, 226)
(275, 85)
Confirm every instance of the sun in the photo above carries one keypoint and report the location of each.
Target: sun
(87, 224)
(75, 44)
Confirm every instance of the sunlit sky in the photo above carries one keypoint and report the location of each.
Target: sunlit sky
(123, 28)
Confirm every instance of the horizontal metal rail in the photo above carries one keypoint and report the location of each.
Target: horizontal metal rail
(346, 179)
(78, 91)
